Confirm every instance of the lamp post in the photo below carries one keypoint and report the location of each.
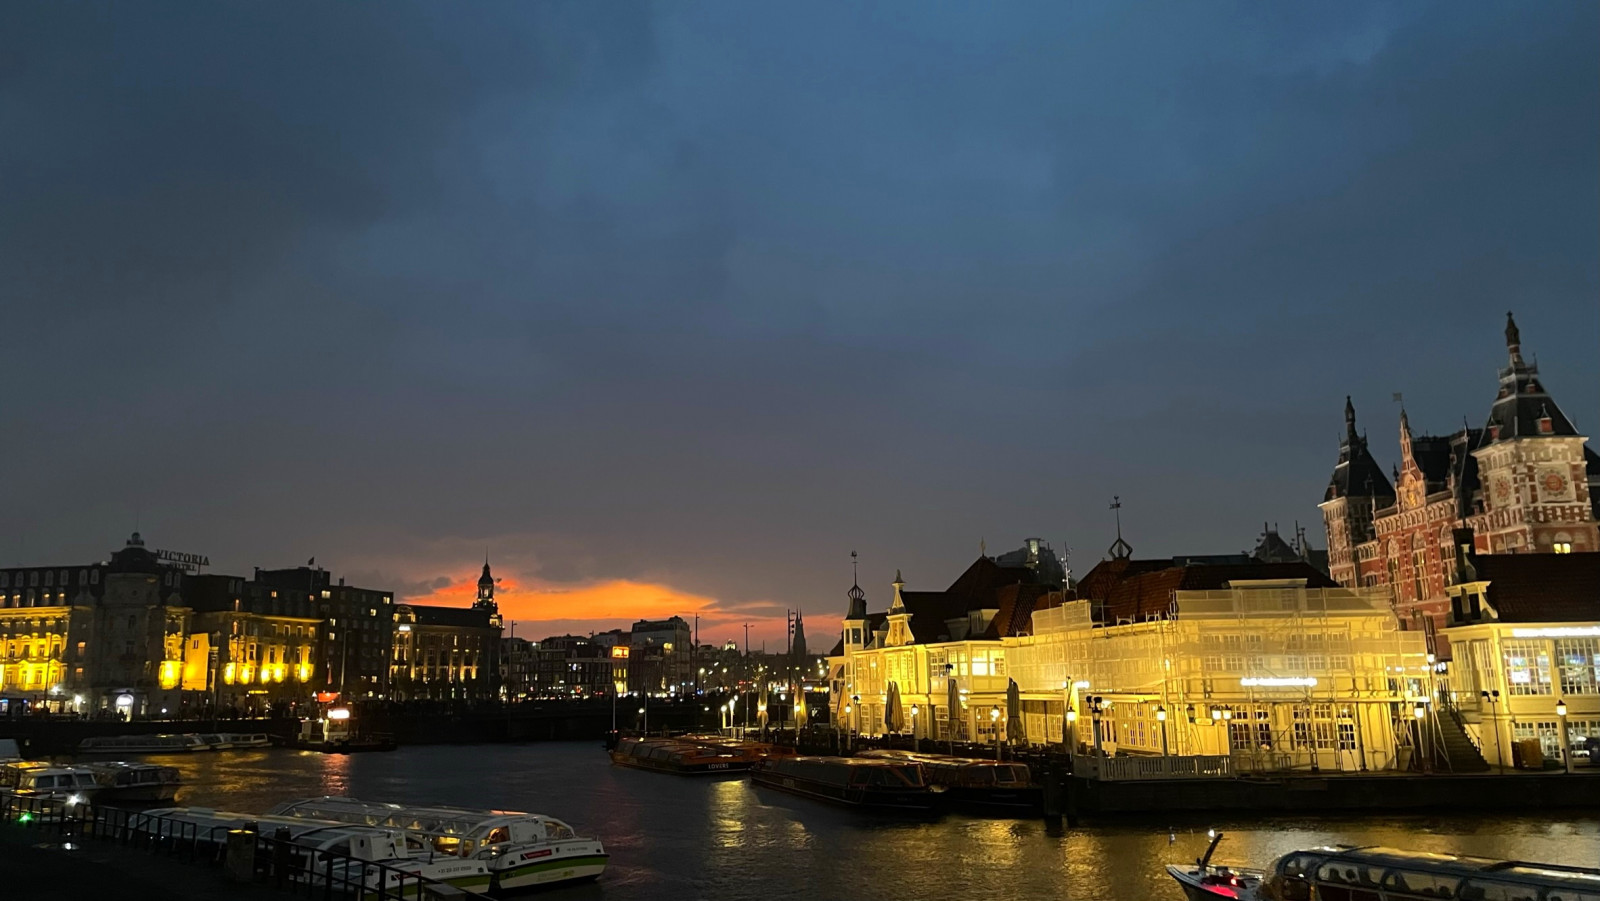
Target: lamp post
(994, 720)
(1070, 734)
(1566, 741)
(1493, 697)
(855, 722)
(1161, 717)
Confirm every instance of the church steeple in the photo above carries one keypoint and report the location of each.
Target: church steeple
(485, 599)
(899, 617)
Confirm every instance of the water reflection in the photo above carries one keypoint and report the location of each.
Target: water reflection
(724, 839)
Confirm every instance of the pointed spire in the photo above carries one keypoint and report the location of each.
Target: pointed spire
(1349, 420)
(898, 605)
(1513, 339)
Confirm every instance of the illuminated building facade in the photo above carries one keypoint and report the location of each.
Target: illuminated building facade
(576, 666)
(1526, 633)
(354, 648)
(445, 653)
(661, 656)
(926, 640)
(1523, 483)
(250, 645)
(1272, 665)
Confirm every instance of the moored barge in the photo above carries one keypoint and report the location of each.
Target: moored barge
(682, 758)
(973, 784)
(890, 786)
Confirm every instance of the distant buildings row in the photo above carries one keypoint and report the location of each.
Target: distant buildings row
(145, 634)
(1456, 624)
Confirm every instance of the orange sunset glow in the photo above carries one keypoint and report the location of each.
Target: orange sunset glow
(541, 609)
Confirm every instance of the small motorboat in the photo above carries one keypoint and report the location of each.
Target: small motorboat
(69, 785)
(144, 783)
(973, 784)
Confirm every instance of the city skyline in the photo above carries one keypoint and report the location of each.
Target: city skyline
(677, 342)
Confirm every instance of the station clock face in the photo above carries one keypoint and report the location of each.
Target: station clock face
(1553, 483)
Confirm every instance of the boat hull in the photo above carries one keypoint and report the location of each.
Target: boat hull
(706, 768)
(895, 801)
(1016, 802)
(551, 870)
(1198, 888)
(139, 794)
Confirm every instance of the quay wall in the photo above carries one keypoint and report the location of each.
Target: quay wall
(1336, 794)
(42, 736)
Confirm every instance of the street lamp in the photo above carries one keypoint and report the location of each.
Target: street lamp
(1566, 742)
(1096, 708)
(1161, 717)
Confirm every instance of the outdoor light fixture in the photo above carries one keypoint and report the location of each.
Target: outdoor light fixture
(1227, 713)
(1216, 714)
(339, 713)
(1419, 711)
(1561, 707)
(994, 713)
(1072, 716)
(1161, 714)
(1190, 712)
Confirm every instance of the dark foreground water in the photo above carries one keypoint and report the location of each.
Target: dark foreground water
(672, 837)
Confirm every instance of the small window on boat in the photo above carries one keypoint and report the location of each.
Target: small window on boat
(1481, 890)
(497, 835)
(1420, 885)
(556, 830)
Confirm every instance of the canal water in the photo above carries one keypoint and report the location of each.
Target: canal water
(674, 837)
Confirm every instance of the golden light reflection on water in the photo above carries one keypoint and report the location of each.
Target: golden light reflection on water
(723, 838)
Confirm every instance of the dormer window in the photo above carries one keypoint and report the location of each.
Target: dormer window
(1546, 425)
(1494, 431)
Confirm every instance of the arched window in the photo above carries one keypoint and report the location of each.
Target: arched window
(1419, 566)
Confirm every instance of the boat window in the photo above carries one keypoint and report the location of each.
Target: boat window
(556, 830)
(498, 835)
(1481, 890)
(1294, 888)
(1420, 885)
(1020, 775)
(44, 782)
(1563, 894)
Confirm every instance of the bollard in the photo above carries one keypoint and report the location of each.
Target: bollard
(240, 863)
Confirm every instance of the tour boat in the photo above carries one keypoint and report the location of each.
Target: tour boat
(988, 786)
(1384, 874)
(683, 758)
(521, 850)
(142, 744)
(392, 848)
(247, 739)
(140, 782)
(885, 785)
(69, 784)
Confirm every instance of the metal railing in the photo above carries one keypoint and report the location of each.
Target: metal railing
(1128, 769)
(278, 863)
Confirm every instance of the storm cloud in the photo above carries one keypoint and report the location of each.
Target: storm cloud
(702, 296)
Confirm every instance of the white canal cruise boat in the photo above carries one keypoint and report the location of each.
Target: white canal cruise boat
(391, 847)
(522, 850)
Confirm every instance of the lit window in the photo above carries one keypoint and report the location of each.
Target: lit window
(1563, 547)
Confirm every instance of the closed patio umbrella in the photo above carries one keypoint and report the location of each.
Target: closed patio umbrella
(954, 700)
(1014, 730)
(894, 716)
(801, 714)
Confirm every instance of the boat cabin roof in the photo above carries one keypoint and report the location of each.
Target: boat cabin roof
(317, 834)
(425, 820)
(1395, 863)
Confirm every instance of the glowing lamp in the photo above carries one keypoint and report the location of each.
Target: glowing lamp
(339, 713)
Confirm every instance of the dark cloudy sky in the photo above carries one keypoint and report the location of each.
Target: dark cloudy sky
(671, 306)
